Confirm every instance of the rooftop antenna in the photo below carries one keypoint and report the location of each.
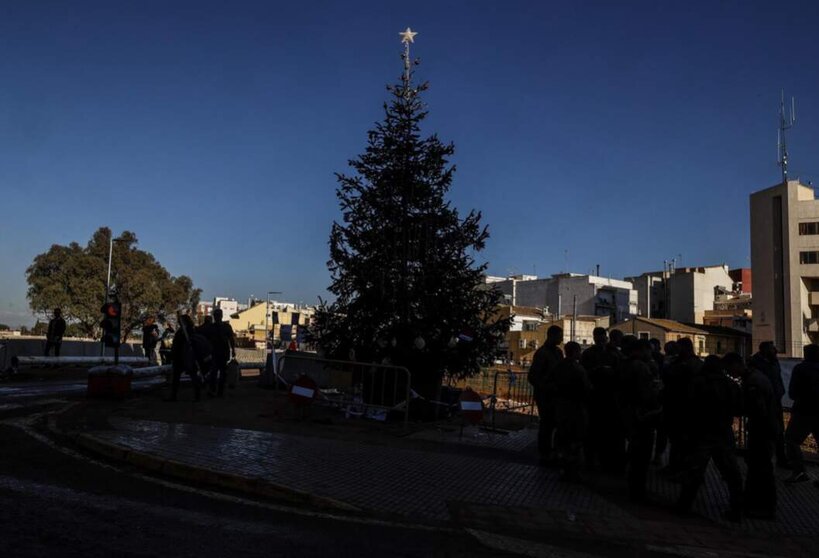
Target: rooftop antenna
(786, 122)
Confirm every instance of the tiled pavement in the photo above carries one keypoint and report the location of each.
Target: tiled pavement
(417, 483)
(514, 441)
(407, 482)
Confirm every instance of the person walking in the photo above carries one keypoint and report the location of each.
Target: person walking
(804, 390)
(541, 378)
(605, 440)
(55, 332)
(759, 498)
(718, 400)
(572, 390)
(640, 407)
(190, 353)
(150, 338)
(767, 362)
(222, 340)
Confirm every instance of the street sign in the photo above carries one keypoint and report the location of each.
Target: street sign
(303, 391)
(471, 406)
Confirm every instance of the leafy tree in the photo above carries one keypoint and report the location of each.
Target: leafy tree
(73, 278)
(4, 327)
(408, 289)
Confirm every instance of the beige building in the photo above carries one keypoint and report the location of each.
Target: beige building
(785, 264)
(283, 320)
(664, 331)
(527, 331)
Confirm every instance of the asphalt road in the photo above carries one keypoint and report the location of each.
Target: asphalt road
(54, 503)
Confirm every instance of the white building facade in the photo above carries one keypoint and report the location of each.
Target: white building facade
(571, 293)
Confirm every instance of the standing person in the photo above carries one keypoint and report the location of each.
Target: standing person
(54, 335)
(150, 338)
(605, 440)
(676, 402)
(661, 439)
(190, 353)
(767, 362)
(165, 344)
(207, 321)
(616, 340)
(657, 355)
(804, 390)
(757, 406)
(711, 425)
(640, 407)
(572, 390)
(221, 338)
(541, 377)
(657, 363)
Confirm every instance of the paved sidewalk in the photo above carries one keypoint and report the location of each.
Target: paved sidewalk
(491, 492)
(407, 482)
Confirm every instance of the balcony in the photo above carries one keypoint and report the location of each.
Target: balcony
(812, 325)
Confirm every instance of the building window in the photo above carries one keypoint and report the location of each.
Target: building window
(521, 343)
(808, 257)
(719, 347)
(809, 228)
(702, 346)
(643, 335)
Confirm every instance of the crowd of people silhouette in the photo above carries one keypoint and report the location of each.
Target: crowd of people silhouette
(623, 402)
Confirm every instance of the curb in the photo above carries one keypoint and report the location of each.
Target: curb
(201, 475)
(14, 410)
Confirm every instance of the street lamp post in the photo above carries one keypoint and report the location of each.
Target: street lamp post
(267, 315)
(111, 241)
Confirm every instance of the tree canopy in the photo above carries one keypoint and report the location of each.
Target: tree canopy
(408, 288)
(73, 278)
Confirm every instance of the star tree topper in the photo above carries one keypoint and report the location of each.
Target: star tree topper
(408, 36)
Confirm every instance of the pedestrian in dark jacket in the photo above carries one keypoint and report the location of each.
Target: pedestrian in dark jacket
(640, 408)
(150, 338)
(757, 406)
(190, 353)
(221, 338)
(767, 362)
(804, 390)
(717, 400)
(676, 401)
(166, 344)
(54, 335)
(661, 437)
(606, 440)
(541, 377)
(572, 390)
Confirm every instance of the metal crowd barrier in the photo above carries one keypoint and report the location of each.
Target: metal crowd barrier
(358, 387)
(511, 392)
(32, 361)
(149, 371)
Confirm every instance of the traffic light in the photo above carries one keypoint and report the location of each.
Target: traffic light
(111, 326)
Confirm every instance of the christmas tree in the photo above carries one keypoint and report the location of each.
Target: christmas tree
(408, 288)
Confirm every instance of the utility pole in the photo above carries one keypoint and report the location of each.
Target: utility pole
(574, 316)
(268, 376)
(111, 241)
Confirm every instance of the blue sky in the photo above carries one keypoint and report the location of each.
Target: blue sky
(618, 134)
